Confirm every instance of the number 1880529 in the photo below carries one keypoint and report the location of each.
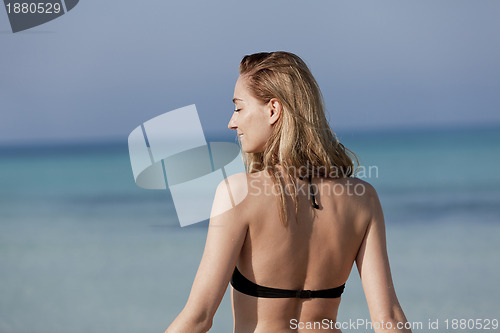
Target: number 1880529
(33, 8)
(471, 324)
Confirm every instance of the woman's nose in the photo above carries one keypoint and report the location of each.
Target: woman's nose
(232, 122)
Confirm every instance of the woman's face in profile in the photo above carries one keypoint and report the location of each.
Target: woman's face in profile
(251, 119)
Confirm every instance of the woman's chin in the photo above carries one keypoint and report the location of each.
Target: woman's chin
(247, 150)
(251, 149)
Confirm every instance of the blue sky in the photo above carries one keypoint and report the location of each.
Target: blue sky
(105, 67)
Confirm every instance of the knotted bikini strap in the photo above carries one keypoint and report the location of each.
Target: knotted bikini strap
(311, 192)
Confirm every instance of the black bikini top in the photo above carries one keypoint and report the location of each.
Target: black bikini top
(245, 286)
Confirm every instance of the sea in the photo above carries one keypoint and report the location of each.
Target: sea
(84, 249)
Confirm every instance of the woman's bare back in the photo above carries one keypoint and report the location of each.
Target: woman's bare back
(315, 251)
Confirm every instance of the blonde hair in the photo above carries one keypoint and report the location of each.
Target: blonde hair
(302, 137)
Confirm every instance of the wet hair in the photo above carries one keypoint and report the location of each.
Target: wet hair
(301, 138)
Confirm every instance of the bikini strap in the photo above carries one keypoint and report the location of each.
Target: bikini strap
(311, 192)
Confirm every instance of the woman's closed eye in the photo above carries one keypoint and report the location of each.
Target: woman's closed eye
(237, 110)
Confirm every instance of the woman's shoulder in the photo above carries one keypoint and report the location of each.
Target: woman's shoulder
(363, 190)
(230, 194)
(355, 192)
(353, 185)
(234, 187)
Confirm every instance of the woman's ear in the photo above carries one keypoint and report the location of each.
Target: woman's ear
(275, 110)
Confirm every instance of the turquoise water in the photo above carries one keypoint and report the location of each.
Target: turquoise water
(83, 249)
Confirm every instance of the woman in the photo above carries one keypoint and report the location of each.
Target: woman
(287, 233)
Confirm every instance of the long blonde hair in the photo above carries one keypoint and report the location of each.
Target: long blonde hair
(302, 138)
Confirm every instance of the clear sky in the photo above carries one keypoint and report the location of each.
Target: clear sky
(105, 67)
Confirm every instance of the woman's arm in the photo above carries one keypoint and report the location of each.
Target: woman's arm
(374, 270)
(226, 234)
